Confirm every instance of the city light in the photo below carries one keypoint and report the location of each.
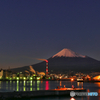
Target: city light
(38, 78)
(34, 75)
(72, 79)
(49, 78)
(17, 78)
(31, 78)
(24, 78)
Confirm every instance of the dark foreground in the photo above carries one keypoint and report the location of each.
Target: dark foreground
(41, 93)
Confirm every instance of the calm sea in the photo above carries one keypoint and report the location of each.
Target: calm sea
(45, 85)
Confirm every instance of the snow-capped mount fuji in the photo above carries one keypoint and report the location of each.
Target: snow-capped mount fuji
(66, 60)
(68, 53)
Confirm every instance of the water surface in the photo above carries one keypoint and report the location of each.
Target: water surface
(45, 85)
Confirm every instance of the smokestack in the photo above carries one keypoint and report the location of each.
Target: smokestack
(46, 65)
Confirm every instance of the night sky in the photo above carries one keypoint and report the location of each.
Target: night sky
(40, 28)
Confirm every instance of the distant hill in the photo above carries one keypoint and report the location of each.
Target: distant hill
(66, 60)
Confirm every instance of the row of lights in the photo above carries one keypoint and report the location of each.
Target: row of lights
(24, 78)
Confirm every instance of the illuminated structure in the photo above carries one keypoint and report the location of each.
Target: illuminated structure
(5, 73)
(97, 78)
(46, 67)
(31, 69)
(40, 73)
(1, 73)
(46, 64)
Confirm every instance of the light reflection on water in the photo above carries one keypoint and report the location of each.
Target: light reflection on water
(17, 85)
(31, 86)
(38, 83)
(98, 84)
(79, 84)
(10, 85)
(45, 85)
(60, 83)
(13, 85)
(6, 85)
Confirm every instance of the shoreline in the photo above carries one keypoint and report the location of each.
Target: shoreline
(92, 81)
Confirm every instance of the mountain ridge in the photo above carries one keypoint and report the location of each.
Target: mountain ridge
(66, 61)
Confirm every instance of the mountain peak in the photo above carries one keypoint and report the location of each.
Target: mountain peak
(67, 53)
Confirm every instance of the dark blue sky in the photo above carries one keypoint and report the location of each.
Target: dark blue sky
(40, 28)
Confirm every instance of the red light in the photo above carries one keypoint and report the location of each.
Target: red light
(89, 79)
(46, 60)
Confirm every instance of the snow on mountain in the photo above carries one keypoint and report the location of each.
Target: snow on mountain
(68, 53)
